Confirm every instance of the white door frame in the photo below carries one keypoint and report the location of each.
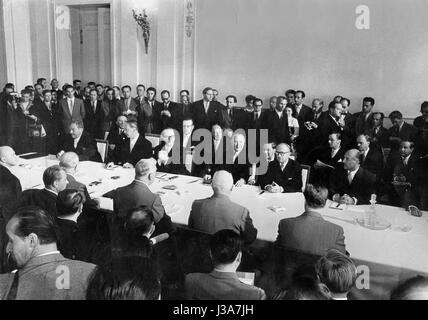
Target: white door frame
(65, 68)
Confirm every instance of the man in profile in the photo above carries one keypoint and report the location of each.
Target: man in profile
(219, 212)
(223, 282)
(309, 232)
(43, 273)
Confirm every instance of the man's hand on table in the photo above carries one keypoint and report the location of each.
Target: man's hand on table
(128, 165)
(274, 188)
(252, 181)
(345, 199)
(59, 154)
(240, 183)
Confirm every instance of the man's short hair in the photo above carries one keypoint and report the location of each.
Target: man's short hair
(289, 91)
(125, 278)
(233, 97)
(315, 196)
(185, 91)
(249, 98)
(68, 86)
(151, 89)
(77, 80)
(40, 80)
(336, 271)
(99, 85)
(165, 91)
(280, 98)
(69, 160)
(370, 100)
(132, 123)
(93, 90)
(138, 221)
(412, 143)
(126, 87)
(144, 167)
(78, 123)
(410, 288)
(52, 174)
(382, 115)
(424, 105)
(188, 119)
(332, 104)
(257, 100)
(395, 115)
(337, 134)
(26, 91)
(366, 136)
(206, 90)
(69, 201)
(225, 246)
(347, 100)
(37, 221)
(141, 86)
(302, 92)
(46, 91)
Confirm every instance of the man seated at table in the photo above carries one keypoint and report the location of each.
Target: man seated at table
(309, 232)
(338, 272)
(219, 212)
(133, 149)
(223, 282)
(237, 163)
(372, 157)
(283, 174)
(10, 186)
(138, 194)
(352, 185)
(55, 180)
(80, 142)
(43, 273)
(269, 154)
(69, 161)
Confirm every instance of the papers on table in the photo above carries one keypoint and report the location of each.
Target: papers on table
(323, 165)
(277, 209)
(337, 206)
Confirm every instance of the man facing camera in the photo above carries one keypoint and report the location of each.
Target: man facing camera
(283, 174)
(219, 212)
(80, 142)
(43, 273)
(223, 282)
(309, 232)
(352, 185)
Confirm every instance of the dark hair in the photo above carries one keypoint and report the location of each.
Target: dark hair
(395, 115)
(336, 271)
(37, 221)
(302, 92)
(249, 98)
(99, 85)
(332, 104)
(347, 100)
(26, 91)
(290, 91)
(165, 91)
(257, 100)
(126, 87)
(46, 91)
(93, 90)
(186, 91)
(233, 97)
(68, 201)
(412, 144)
(77, 80)
(206, 90)
(337, 134)
(315, 196)
(68, 86)
(110, 89)
(369, 99)
(382, 115)
(366, 136)
(139, 220)
(307, 288)
(142, 86)
(78, 123)
(424, 105)
(225, 246)
(151, 89)
(52, 174)
(404, 290)
(40, 80)
(91, 83)
(126, 278)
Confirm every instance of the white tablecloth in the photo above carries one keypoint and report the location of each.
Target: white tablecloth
(390, 247)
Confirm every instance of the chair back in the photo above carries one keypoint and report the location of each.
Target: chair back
(153, 138)
(102, 146)
(306, 171)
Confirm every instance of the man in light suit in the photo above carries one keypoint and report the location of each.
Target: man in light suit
(219, 212)
(309, 232)
(43, 273)
(70, 109)
(223, 282)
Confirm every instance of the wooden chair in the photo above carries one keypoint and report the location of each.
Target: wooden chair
(102, 146)
(153, 138)
(306, 171)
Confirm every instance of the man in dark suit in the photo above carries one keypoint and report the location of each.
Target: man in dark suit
(43, 273)
(237, 162)
(117, 135)
(310, 233)
(349, 117)
(372, 158)
(256, 121)
(127, 106)
(283, 174)
(379, 134)
(138, 194)
(228, 113)
(80, 142)
(303, 114)
(401, 131)
(206, 112)
(70, 109)
(145, 112)
(133, 149)
(364, 118)
(106, 117)
(277, 123)
(167, 113)
(219, 212)
(223, 282)
(185, 106)
(352, 184)
(93, 112)
(55, 87)
(55, 180)
(10, 187)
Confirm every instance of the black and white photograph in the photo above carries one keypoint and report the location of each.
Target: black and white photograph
(219, 151)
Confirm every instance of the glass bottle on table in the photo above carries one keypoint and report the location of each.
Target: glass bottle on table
(371, 212)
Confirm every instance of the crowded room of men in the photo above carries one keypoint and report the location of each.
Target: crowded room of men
(213, 150)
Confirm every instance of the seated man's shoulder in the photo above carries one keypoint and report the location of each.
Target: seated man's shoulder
(80, 266)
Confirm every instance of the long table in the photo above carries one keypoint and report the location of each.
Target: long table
(391, 254)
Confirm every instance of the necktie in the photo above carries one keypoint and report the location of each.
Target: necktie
(70, 106)
(11, 295)
(349, 177)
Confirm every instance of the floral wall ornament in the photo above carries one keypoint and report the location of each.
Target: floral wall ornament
(142, 20)
(190, 19)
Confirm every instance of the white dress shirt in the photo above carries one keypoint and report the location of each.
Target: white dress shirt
(279, 113)
(206, 106)
(70, 104)
(76, 141)
(133, 141)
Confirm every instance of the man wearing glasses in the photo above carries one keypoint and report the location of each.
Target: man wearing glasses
(284, 174)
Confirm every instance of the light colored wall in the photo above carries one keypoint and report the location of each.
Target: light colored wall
(263, 47)
(3, 72)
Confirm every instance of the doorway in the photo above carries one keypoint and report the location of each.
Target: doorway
(91, 43)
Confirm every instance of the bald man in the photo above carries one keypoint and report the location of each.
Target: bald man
(10, 187)
(219, 212)
(284, 174)
(352, 184)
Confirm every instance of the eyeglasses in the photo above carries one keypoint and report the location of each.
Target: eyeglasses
(281, 153)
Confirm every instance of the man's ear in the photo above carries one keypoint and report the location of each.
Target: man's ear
(33, 240)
